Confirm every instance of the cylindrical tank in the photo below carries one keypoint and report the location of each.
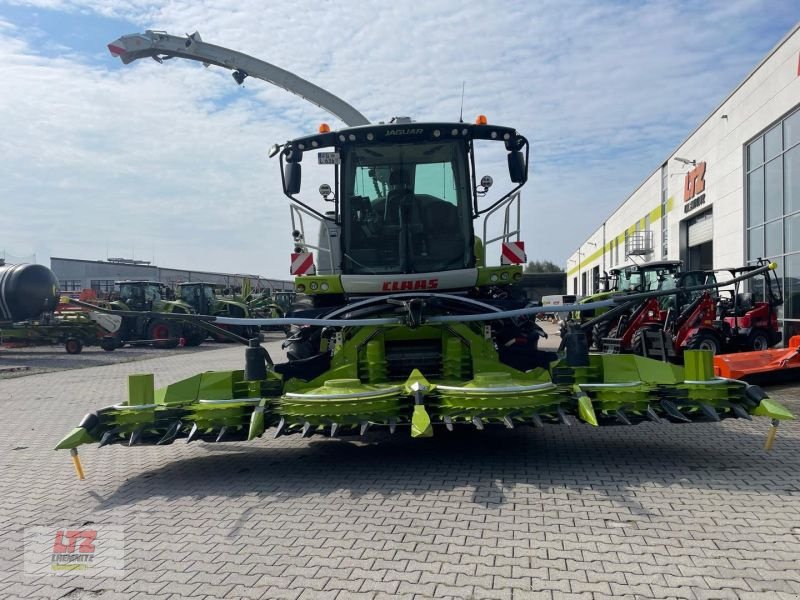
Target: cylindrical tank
(26, 291)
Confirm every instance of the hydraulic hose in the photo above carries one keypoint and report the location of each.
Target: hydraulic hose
(493, 316)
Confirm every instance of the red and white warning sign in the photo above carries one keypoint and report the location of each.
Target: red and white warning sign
(513, 253)
(302, 263)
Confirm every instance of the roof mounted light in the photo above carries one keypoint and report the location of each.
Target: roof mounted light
(324, 128)
(481, 120)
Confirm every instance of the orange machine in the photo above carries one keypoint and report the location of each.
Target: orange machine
(758, 362)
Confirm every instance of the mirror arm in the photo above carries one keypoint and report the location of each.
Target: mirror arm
(514, 190)
(471, 152)
(300, 202)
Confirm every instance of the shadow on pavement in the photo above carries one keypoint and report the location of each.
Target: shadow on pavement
(484, 468)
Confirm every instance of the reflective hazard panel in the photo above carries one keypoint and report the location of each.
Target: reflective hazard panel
(303, 263)
(513, 253)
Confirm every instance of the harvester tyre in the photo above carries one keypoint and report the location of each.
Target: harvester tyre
(758, 340)
(704, 340)
(164, 334)
(73, 346)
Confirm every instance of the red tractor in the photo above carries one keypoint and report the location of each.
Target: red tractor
(721, 321)
(750, 319)
(669, 324)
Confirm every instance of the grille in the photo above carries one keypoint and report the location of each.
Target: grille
(403, 357)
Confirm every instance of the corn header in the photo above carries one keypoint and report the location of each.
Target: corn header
(401, 324)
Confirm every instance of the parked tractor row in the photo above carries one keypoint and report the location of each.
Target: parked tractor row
(721, 318)
(136, 313)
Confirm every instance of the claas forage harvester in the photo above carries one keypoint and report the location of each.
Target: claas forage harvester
(404, 326)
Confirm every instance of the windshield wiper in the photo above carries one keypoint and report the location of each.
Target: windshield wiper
(371, 270)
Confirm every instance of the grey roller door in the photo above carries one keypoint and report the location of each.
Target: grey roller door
(701, 229)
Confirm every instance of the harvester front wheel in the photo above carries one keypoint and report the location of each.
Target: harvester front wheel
(163, 333)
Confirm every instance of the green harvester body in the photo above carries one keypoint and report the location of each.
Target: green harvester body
(402, 292)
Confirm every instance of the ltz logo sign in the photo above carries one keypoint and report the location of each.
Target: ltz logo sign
(694, 188)
(97, 550)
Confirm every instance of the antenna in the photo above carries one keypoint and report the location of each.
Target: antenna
(461, 113)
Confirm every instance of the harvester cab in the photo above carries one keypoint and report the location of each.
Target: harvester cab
(404, 200)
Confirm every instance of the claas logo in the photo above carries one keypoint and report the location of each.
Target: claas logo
(410, 285)
(695, 182)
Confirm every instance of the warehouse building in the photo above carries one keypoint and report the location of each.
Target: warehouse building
(728, 195)
(75, 275)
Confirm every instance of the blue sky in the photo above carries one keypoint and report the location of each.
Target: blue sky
(169, 161)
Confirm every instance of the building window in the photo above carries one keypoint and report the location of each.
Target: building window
(103, 286)
(575, 285)
(772, 212)
(70, 285)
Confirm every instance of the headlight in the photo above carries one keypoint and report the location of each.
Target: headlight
(300, 287)
(504, 276)
(494, 277)
(314, 285)
(324, 287)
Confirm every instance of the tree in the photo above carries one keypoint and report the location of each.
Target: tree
(542, 266)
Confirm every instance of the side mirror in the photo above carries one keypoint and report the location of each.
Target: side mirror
(517, 170)
(291, 177)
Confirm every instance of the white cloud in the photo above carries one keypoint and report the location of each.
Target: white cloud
(172, 158)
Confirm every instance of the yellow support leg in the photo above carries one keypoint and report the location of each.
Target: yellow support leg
(773, 431)
(76, 461)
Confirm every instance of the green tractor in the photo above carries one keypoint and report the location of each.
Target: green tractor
(203, 299)
(149, 297)
(266, 305)
(625, 280)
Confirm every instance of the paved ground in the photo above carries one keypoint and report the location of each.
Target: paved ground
(20, 362)
(697, 511)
